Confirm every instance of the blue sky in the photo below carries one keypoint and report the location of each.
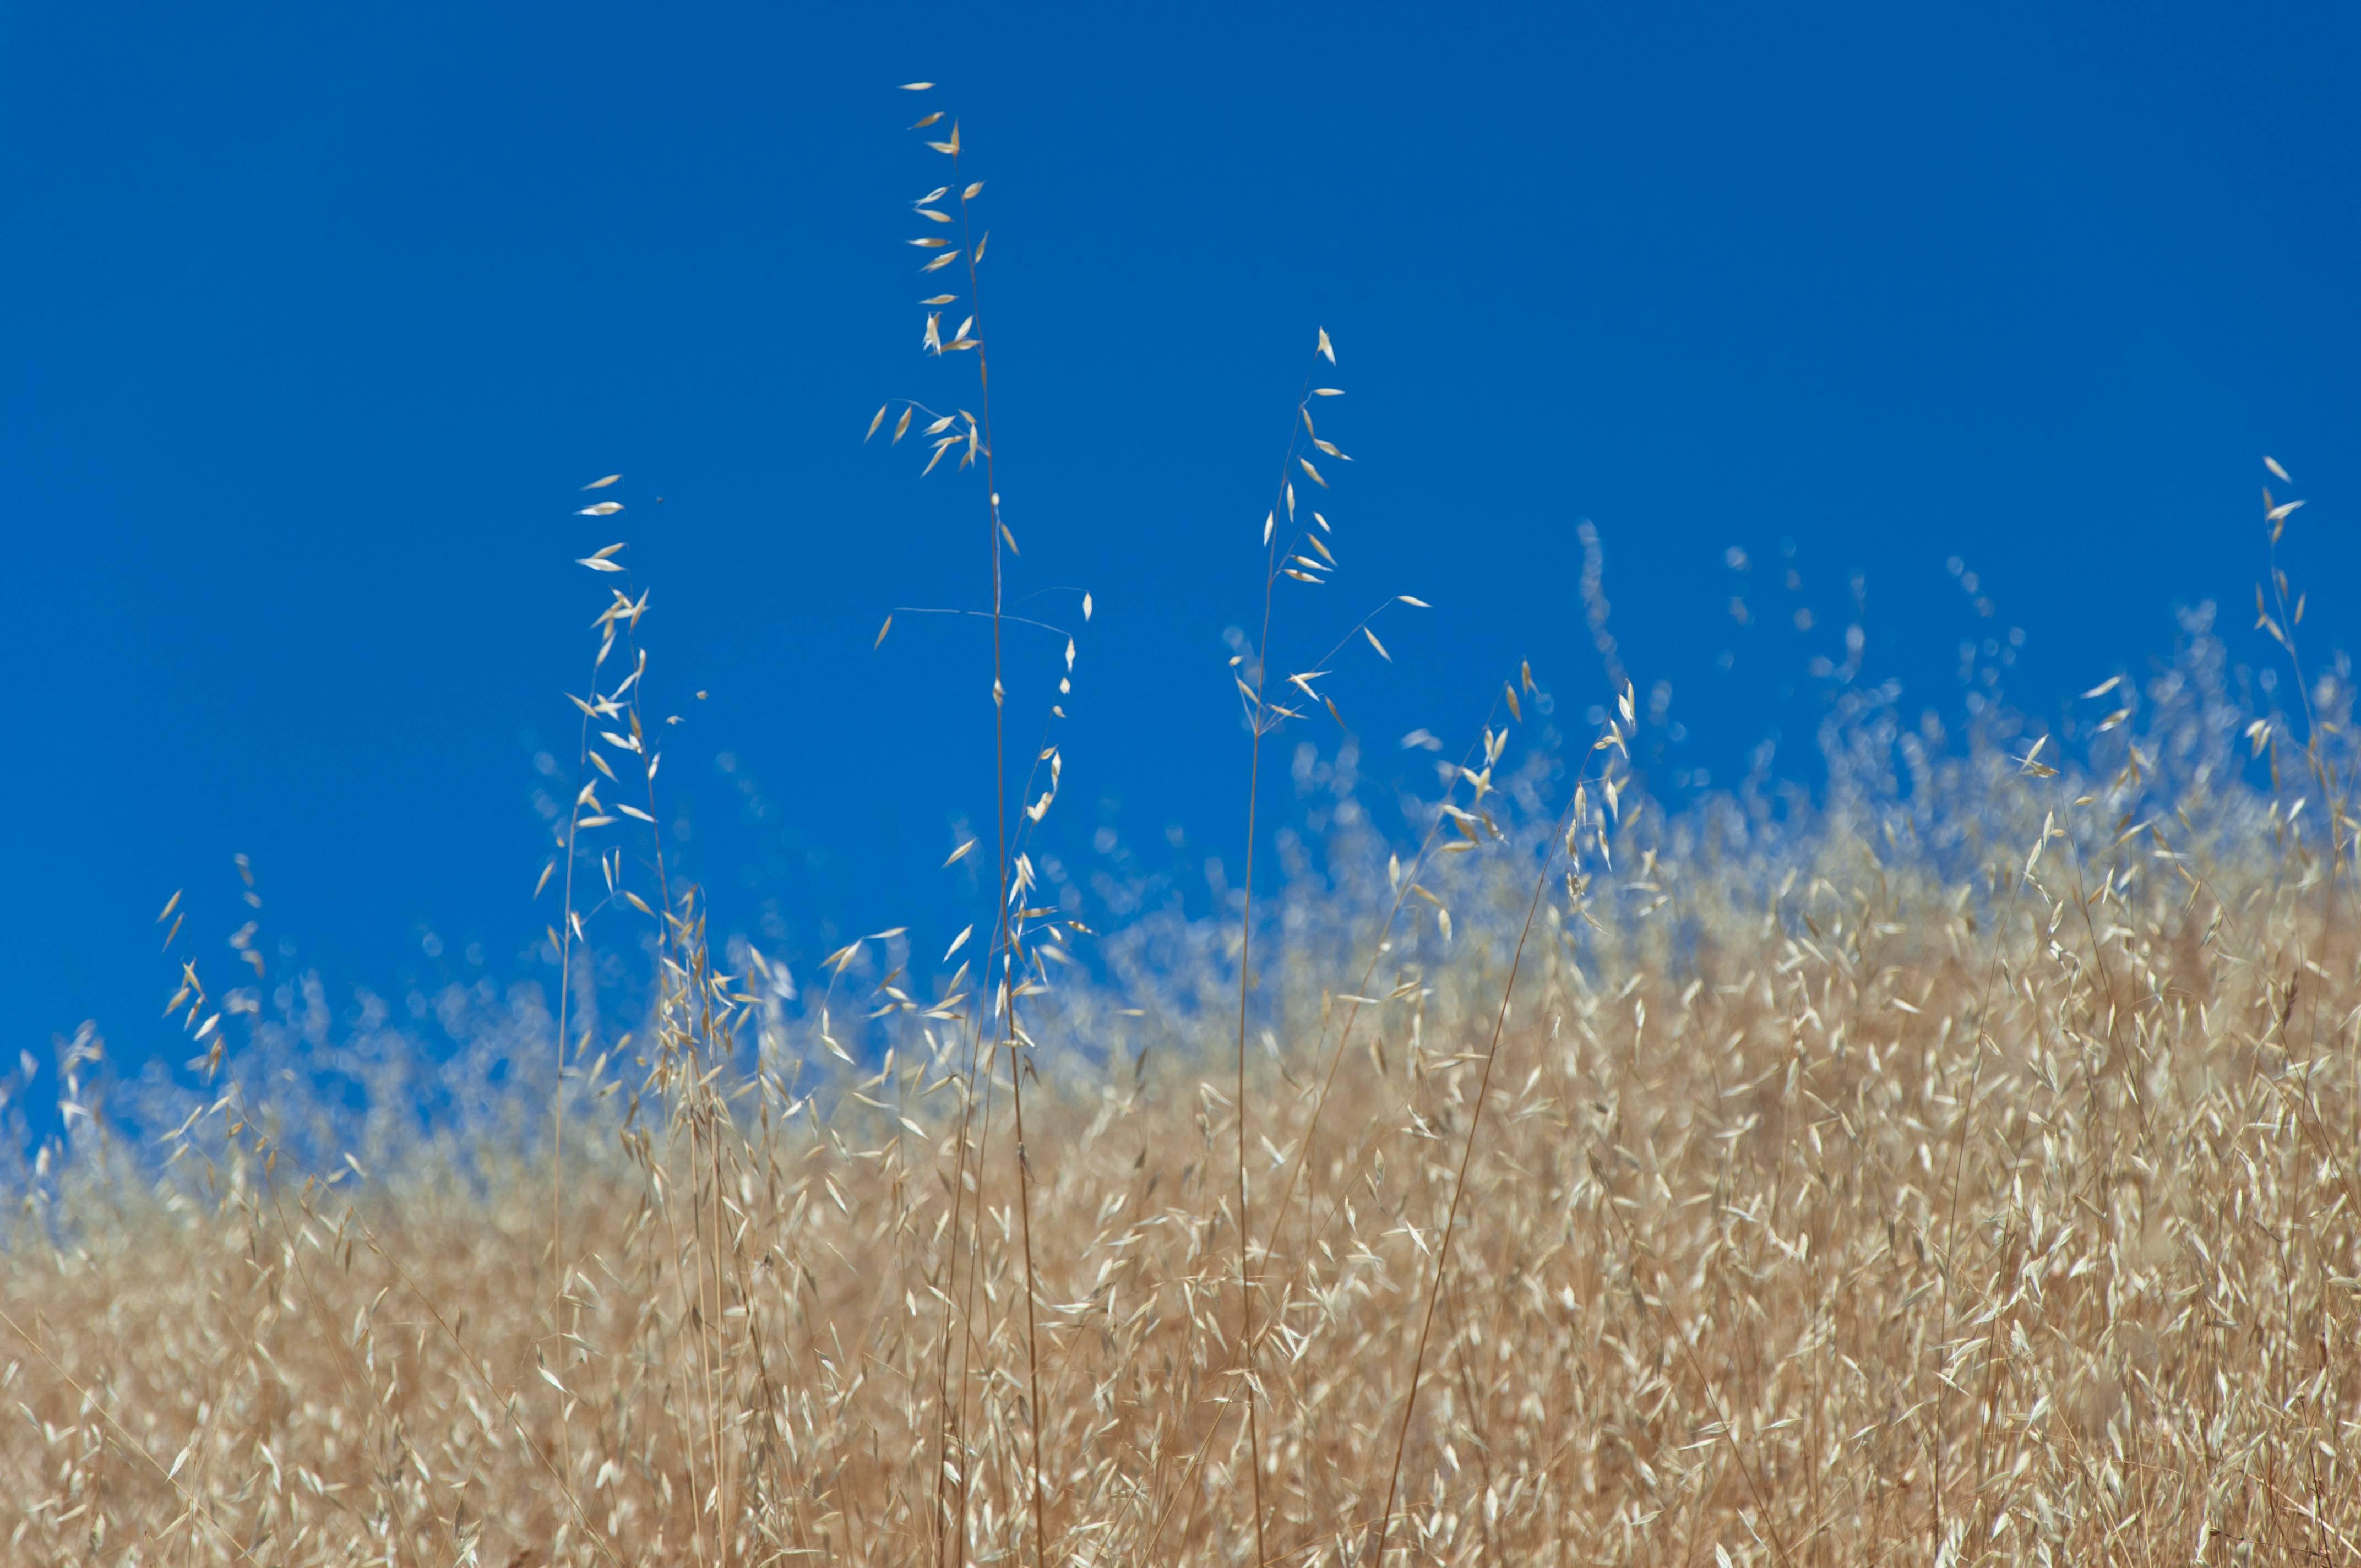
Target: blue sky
(319, 316)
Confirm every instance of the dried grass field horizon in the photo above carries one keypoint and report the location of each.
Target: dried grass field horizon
(1960, 1167)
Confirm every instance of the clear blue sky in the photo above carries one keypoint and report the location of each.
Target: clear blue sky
(317, 315)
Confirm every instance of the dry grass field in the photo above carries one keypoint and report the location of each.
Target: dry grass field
(1822, 1208)
(1960, 1169)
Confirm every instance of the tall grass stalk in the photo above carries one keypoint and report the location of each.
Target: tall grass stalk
(1259, 723)
(996, 531)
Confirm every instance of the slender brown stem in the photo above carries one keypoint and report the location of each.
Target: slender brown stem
(667, 944)
(1246, 982)
(1459, 1181)
(558, 1268)
(1196, 1457)
(565, 994)
(1005, 998)
(1261, 723)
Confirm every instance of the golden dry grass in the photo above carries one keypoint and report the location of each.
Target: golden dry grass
(1883, 1217)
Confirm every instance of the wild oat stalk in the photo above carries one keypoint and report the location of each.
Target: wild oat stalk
(1259, 723)
(569, 927)
(1005, 953)
(1307, 558)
